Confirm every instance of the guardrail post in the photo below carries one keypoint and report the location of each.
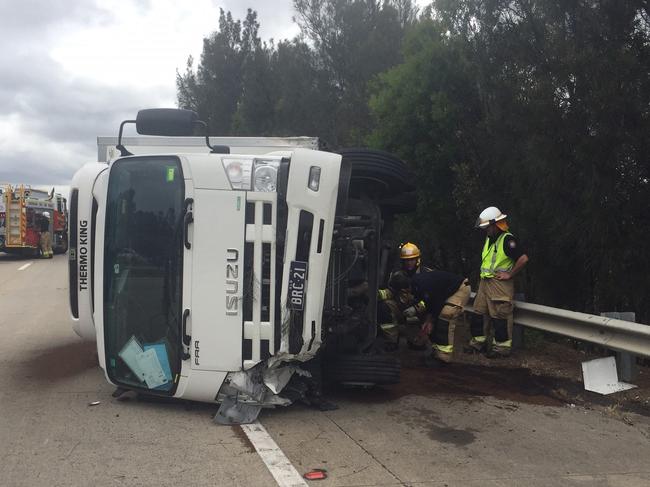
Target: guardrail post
(626, 365)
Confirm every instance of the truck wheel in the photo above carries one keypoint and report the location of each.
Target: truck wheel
(363, 369)
(377, 172)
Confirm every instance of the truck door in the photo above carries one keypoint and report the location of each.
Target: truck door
(216, 241)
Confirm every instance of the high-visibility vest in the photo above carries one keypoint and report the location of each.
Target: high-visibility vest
(494, 258)
(384, 294)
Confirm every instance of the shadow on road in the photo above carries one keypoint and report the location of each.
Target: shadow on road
(13, 257)
(60, 362)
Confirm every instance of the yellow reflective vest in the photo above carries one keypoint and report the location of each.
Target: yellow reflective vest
(495, 258)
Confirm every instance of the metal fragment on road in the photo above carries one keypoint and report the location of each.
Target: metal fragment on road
(94, 403)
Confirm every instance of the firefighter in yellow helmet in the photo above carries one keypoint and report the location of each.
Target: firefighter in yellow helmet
(396, 308)
(410, 258)
(501, 260)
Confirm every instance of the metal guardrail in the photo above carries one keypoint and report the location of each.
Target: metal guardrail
(623, 336)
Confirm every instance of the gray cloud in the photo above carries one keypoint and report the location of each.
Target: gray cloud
(49, 119)
(37, 18)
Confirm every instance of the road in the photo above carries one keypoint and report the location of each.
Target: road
(411, 434)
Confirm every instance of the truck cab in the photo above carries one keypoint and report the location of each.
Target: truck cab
(217, 276)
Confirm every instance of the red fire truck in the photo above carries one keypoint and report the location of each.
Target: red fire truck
(21, 215)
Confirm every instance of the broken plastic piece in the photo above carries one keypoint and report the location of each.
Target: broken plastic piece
(600, 376)
(316, 474)
(94, 403)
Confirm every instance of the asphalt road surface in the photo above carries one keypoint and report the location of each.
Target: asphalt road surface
(417, 433)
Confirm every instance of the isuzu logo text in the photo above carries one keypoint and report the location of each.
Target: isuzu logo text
(83, 255)
(232, 283)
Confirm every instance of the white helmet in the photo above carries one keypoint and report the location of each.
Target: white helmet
(46, 214)
(491, 214)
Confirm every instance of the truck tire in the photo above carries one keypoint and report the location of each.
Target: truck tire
(362, 369)
(379, 171)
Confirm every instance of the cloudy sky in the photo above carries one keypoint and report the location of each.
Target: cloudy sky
(74, 69)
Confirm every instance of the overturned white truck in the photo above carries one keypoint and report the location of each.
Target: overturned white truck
(232, 274)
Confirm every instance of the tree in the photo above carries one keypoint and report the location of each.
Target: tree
(215, 89)
(540, 108)
(354, 41)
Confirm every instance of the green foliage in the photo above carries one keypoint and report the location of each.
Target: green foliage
(311, 85)
(540, 108)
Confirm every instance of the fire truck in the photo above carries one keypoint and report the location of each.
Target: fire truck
(21, 215)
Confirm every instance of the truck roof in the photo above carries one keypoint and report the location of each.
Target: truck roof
(106, 150)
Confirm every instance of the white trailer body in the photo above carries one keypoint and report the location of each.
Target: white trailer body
(107, 151)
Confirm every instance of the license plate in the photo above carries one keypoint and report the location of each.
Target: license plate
(297, 280)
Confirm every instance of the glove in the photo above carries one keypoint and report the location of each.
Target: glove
(410, 312)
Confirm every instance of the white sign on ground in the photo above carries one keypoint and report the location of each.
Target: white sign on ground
(600, 376)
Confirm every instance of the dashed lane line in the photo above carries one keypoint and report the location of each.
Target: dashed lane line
(23, 267)
(284, 473)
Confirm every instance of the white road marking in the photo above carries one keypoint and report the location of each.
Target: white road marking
(22, 268)
(278, 464)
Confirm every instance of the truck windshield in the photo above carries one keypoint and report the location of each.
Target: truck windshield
(143, 251)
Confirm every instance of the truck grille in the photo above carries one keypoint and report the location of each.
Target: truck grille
(259, 273)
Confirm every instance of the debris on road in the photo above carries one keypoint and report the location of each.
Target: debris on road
(600, 375)
(316, 474)
(94, 403)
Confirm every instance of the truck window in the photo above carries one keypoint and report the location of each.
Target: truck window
(143, 253)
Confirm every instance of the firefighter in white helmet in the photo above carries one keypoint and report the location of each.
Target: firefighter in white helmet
(45, 237)
(502, 258)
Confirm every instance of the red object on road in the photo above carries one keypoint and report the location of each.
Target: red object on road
(316, 474)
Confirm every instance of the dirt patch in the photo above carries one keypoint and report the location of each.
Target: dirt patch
(59, 362)
(506, 383)
(548, 375)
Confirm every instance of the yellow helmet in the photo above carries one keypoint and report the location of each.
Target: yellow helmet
(409, 251)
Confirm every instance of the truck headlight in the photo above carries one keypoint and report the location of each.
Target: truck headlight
(266, 178)
(238, 172)
(252, 174)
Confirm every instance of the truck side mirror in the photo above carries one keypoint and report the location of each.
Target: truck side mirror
(175, 122)
(166, 121)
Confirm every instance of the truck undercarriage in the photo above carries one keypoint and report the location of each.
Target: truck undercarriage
(360, 261)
